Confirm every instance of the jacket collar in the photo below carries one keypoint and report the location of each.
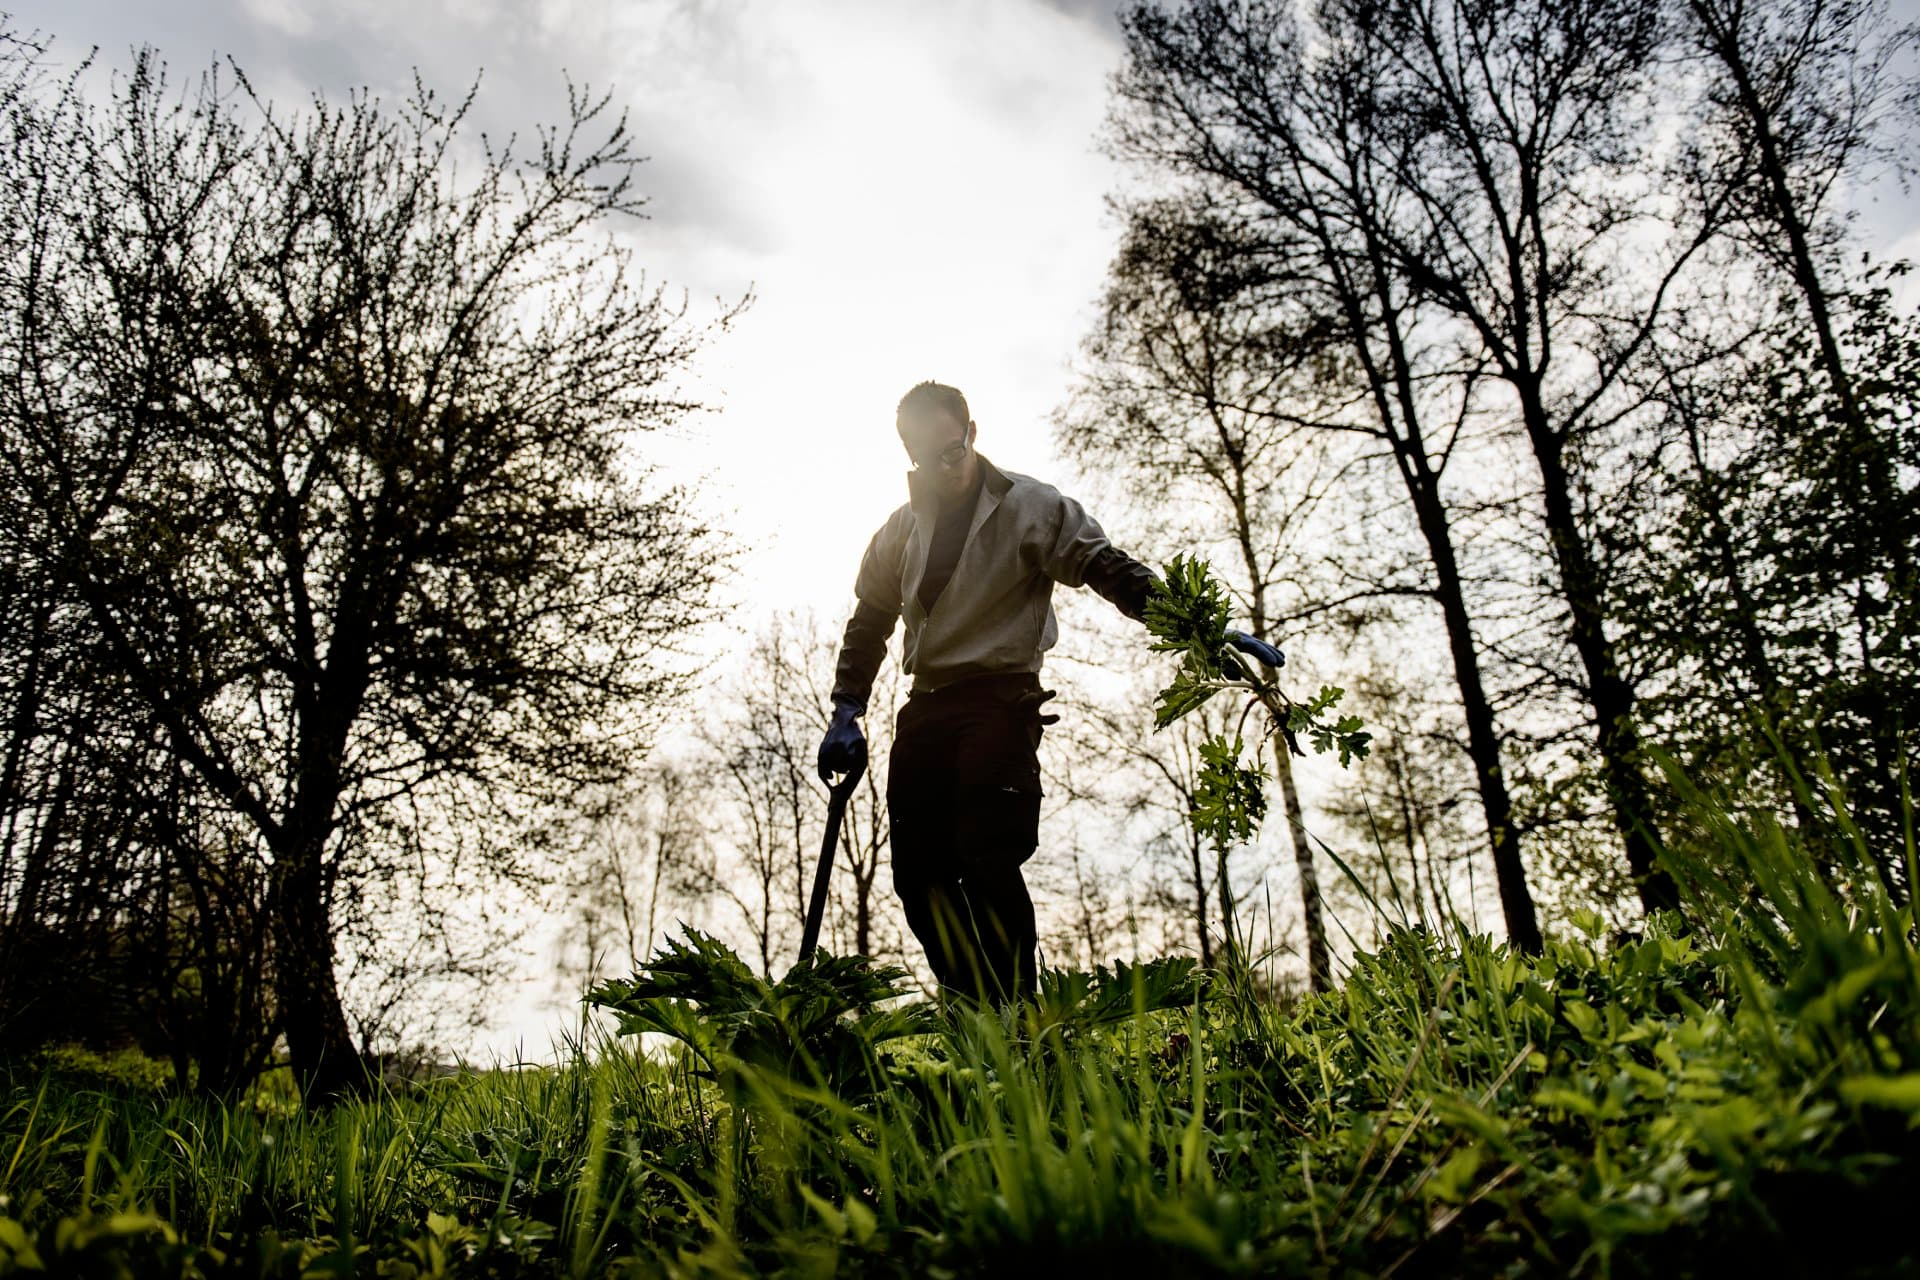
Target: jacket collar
(994, 484)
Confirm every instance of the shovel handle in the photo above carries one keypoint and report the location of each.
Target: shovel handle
(837, 798)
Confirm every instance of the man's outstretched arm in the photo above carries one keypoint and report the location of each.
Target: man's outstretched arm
(1081, 554)
(1129, 585)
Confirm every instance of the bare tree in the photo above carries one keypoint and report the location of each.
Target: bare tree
(1516, 140)
(762, 736)
(1408, 804)
(1790, 471)
(649, 856)
(758, 745)
(337, 452)
(1473, 177)
(1252, 353)
(1799, 99)
(1182, 399)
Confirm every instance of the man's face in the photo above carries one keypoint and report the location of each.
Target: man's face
(941, 447)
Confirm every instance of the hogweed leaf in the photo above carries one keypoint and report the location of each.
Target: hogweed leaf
(1187, 614)
(1229, 800)
(1187, 693)
(1344, 735)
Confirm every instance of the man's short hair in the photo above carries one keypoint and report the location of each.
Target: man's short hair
(928, 396)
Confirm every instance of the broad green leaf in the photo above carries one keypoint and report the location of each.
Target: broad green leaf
(1899, 1093)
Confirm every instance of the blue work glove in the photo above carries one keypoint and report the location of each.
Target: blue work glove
(1259, 649)
(844, 749)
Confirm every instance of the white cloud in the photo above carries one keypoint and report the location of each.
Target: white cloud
(912, 191)
(285, 16)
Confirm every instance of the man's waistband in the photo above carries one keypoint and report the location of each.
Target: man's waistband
(989, 685)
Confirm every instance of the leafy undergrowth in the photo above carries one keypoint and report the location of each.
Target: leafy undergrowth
(1738, 1092)
(1735, 1090)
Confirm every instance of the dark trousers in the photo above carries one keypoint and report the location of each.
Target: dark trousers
(963, 804)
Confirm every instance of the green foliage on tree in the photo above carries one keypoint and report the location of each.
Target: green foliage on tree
(1784, 602)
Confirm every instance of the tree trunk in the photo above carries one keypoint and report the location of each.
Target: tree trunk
(1397, 407)
(1610, 696)
(1319, 958)
(1231, 952)
(325, 1062)
(1412, 834)
(1725, 42)
(40, 853)
(1200, 899)
(863, 877)
(1312, 907)
(1483, 739)
(863, 921)
(20, 735)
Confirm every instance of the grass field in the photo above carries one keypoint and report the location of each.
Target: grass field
(1736, 1091)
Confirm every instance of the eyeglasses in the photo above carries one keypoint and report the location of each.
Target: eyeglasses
(949, 458)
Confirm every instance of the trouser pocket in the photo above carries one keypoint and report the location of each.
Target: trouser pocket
(995, 825)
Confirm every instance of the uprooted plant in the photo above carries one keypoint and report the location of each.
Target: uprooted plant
(1187, 615)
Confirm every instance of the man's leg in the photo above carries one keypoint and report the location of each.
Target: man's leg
(921, 834)
(998, 830)
(930, 894)
(1008, 937)
(963, 799)
(936, 911)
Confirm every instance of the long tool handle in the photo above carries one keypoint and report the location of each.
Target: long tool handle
(823, 874)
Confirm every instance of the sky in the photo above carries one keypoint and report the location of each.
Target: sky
(909, 191)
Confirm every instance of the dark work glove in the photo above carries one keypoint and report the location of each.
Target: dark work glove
(1259, 649)
(1035, 700)
(844, 749)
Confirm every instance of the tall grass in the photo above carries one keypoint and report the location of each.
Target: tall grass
(1738, 1089)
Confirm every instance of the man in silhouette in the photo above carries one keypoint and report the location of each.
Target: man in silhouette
(970, 563)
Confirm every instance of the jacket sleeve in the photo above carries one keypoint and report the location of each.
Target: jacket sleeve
(863, 647)
(1121, 579)
(1069, 539)
(1078, 553)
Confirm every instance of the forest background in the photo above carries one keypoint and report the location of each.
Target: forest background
(1632, 459)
